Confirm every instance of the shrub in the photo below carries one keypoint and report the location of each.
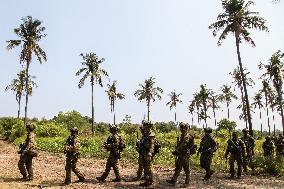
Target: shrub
(270, 165)
(18, 130)
(50, 129)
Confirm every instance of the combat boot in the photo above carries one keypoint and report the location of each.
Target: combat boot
(67, 182)
(101, 179)
(172, 182)
(116, 180)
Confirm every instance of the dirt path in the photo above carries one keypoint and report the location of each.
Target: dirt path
(49, 173)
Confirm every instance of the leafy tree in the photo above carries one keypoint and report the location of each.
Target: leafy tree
(227, 125)
(237, 19)
(174, 100)
(30, 32)
(91, 69)
(148, 93)
(227, 96)
(113, 95)
(274, 72)
(71, 119)
(237, 80)
(257, 103)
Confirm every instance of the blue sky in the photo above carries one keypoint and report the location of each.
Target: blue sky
(167, 39)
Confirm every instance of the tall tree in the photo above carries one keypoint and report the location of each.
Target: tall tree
(274, 72)
(148, 92)
(191, 110)
(113, 95)
(30, 32)
(215, 106)
(174, 100)
(227, 96)
(237, 19)
(92, 69)
(257, 103)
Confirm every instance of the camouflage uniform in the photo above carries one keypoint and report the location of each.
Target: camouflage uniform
(207, 147)
(140, 157)
(236, 147)
(280, 145)
(268, 147)
(115, 146)
(27, 152)
(250, 144)
(71, 149)
(184, 149)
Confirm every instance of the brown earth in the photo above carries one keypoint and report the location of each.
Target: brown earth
(49, 173)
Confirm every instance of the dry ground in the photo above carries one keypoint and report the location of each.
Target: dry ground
(49, 173)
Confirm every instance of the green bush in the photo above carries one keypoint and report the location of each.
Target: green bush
(50, 129)
(270, 165)
(18, 130)
(6, 123)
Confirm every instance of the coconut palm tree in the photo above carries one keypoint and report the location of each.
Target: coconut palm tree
(227, 96)
(257, 103)
(237, 80)
(30, 32)
(237, 19)
(274, 72)
(92, 69)
(215, 106)
(272, 100)
(174, 100)
(113, 95)
(148, 92)
(191, 110)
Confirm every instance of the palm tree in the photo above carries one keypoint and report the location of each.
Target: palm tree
(237, 80)
(148, 93)
(174, 101)
(91, 69)
(215, 106)
(227, 96)
(113, 95)
(258, 103)
(191, 110)
(30, 32)
(238, 20)
(274, 72)
(203, 99)
(272, 100)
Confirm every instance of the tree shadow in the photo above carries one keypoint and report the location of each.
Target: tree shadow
(12, 179)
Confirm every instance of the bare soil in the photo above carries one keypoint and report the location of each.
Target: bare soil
(49, 173)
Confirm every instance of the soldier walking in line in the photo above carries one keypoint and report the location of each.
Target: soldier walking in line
(280, 145)
(250, 144)
(207, 148)
(71, 149)
(115, 146)
(237, 150)
(27, 153)
(184, 149)
(268, 147)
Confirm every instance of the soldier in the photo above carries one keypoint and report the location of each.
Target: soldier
(236, 147)
(184, 149)
(250, 144)
(146, 131)
(115, 146)
(27, 153)
(268, 147)
(207, 148)
(71, 149)
(280, 145)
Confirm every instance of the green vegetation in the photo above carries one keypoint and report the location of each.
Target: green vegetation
(51, 136)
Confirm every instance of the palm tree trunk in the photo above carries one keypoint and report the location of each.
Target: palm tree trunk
(148, 110)
(228, 111)
(244, 84)
(215, 121)
(19, 106)
(113, 112)
(274, 127)
(27, 92)
(92, 83)
(260, 118)
(175, 116)
(243, 102)
(281, 107)
(267, 114)
(192, 119)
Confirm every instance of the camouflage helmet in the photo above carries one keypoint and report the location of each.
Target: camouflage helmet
(183, 126)
(281, 136)
(208, 130)
(30, 126)
(113, 128)
(74, 130)
(152, 134)
(235, 133)
(268, 137)
(147, 124)
(245, 130)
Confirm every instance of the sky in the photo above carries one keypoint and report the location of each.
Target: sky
(166, 39)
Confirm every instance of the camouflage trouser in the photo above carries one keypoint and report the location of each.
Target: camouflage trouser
(112, 162)
(248, 162)
(147, 165)
(205, 163)
(25, 165)
(182, 162)
(239, 160)
(140, 167)
(71, 162)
